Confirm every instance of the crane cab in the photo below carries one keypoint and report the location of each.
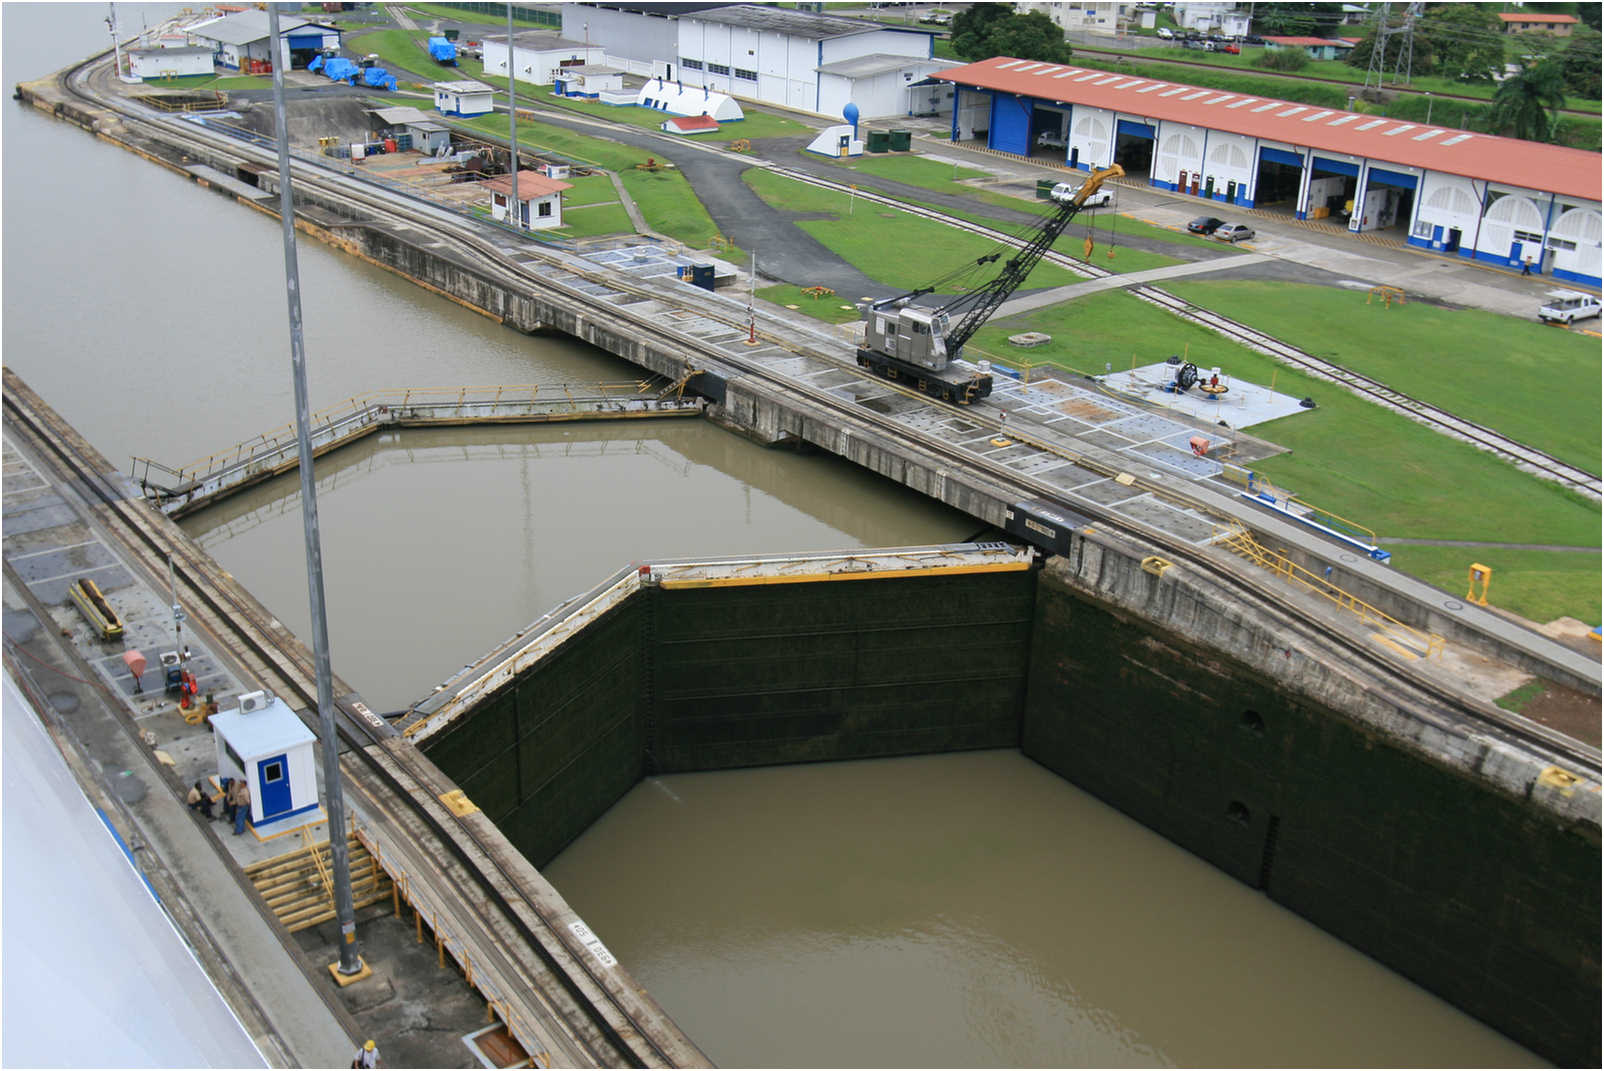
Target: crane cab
(911, 334)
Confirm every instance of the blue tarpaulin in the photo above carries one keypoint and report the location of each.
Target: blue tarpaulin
(316, 64)
(442, 50)
(340, 67)
(378, 78)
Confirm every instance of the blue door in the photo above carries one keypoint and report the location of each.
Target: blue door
(273, 777)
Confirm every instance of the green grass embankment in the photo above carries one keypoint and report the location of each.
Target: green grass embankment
(888, 245)
(1536, 384)
(1352, 458)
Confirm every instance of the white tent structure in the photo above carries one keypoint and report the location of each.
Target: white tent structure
(677, 99)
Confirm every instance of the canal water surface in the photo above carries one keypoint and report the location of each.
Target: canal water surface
(945, 910)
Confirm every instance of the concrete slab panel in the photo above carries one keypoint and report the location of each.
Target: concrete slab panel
(1106, 439)
(109, 578)
(65, 561)
(1108, 493)
(49, 512)
(1179, 460)
(1146, 427)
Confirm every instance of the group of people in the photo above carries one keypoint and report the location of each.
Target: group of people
(236, 802)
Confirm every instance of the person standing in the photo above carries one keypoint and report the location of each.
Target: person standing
(1526, 267)
(367, 1055)
(242, 805)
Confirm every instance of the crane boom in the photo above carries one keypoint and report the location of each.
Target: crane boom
(917, 343)
(985, 300)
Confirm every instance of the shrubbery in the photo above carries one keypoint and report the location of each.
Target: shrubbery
(1282, 59)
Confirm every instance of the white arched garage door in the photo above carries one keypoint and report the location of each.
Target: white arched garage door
(1576, 240)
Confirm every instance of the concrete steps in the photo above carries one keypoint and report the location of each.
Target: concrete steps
(297, 886)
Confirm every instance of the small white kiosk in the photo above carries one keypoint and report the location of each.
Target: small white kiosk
(265, 744)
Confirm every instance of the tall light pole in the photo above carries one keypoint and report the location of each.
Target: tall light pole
(350, 965)
(116, 44)
(516, 208)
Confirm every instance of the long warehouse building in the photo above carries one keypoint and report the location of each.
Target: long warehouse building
(1454, 192)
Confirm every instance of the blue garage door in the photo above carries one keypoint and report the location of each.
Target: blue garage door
(1336, 167)
(1382, 177)
(306, 40)
(1010, 123)
(1280, 156)
(1136, 130)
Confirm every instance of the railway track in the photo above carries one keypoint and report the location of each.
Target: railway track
(469, 237)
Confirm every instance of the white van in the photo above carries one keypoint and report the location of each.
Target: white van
(1568, 306)
(1166, 34)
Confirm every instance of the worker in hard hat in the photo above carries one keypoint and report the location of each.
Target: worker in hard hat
(367, 1055)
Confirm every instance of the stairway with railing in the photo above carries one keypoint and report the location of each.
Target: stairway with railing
(298, 886)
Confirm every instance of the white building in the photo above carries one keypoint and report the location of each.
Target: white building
(464, 98)
(640, 38)
(265, 744)
(238, 40)
(883, 86)
(1085, 17)
(537, 56)
(539, 197)
(169, 62)
(1213, 17)
(588, 80)
(1454, 192)
(777, 56)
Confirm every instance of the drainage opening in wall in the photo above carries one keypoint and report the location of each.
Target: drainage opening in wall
(1252, 722)
(1238, 812)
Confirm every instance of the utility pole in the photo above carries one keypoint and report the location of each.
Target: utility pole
(1378, 49)
(116, 43)
(515, 208)
(350, 966)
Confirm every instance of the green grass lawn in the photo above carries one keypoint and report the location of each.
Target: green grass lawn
(755, 125)
(877, 239)
(1349, 457)
(827, 308)
(1534, 383)
(587, 221)
(589, 190)
(462, 14)
(1540, 585)
(598, 151)
(399, 50)
(669, 206)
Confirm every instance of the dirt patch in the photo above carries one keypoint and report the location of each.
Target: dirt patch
(1563, 709)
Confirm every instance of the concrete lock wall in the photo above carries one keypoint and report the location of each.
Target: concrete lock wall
(753, 676)
(1487, 899)
(546, 755)
(1219, 730)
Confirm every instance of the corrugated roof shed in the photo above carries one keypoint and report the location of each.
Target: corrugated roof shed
(249, 26)
(1529, 164)
(530, 184)
(693, 122)
(875, 63)
(1308, 42)
(463, 87)
(540, 41)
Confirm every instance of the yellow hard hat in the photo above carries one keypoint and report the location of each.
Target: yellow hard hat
(368, 1044)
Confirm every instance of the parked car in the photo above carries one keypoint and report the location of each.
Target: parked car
(1568, 306)
(1100, 199)
(1050, 139)
(1166, 34)
(1232, 47)
(1253, 39)
(1205, 225)
(1233, 232)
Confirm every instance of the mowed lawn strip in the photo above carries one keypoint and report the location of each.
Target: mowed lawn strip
(1540, 585)
(665, 198)
(1537, 384)
(1348, 456)
(889, 246)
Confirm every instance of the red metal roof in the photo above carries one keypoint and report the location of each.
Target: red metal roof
(1519, 17)
(693, 122)
(530, 184)
(1529, 164)
(1309, 42)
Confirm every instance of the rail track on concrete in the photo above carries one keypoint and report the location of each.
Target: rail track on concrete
(585, 1024)
(469, 236)
(1529, 458)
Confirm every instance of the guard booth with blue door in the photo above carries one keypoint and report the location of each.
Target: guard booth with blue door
(264, 744)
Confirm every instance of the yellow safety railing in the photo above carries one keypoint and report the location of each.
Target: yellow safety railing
(1237, 538)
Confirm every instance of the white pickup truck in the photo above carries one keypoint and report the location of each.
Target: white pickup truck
(1568, 306)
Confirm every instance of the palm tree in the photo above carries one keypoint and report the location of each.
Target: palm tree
(1524, 105)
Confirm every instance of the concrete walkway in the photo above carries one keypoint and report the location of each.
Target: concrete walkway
(1044, 298)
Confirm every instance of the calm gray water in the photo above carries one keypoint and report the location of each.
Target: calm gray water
(952, 910)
